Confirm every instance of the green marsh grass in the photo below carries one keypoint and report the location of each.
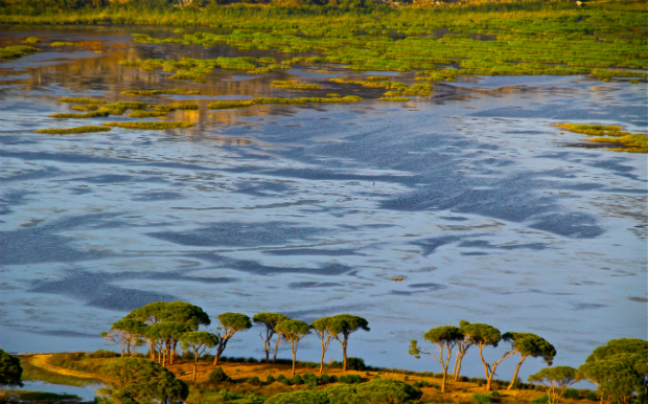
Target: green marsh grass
(180, 91)
(14, 52)
(284, 101)
(292, 85)
(150, 125)
(185, 107)
(139, 113)
(58, 44)
(91, 114)
(78, 129)
(631, 142)
(78, 100)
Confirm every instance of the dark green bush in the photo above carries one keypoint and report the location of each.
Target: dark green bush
(270, 378)
(297, 380)
(218, 375)
(591, 395)
(481, 398)
(571, 393)
(254, 381)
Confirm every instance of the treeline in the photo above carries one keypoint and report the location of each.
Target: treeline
(619, 369)
(164, 326)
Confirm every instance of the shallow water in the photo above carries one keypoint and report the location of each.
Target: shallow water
(472, 196)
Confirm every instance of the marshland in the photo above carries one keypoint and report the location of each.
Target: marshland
(412, 164)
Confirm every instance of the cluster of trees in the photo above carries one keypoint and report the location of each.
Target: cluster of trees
(447, 337)
(619, 369)
(164, 326)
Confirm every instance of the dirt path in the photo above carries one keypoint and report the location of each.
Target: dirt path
(42, 361)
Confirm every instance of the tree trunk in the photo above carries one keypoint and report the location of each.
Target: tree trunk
(266, 347)
(344, 355)
(274, 358)
(517, 369)
(152, 345)
(445, 373)
(486, 368)
(456, 364)
(294, 355)
(222, 343)
(173, 352)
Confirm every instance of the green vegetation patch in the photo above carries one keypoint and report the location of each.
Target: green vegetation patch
(150, 125)
(181, 91)
(186, 107)
(139, 113)
(38, 396)
(79, 100)
(91, 114)
(292, 85)
(631, 142)
(394, 99)
(284, 101)
(14, 52)
(78, 129)
(57, 44)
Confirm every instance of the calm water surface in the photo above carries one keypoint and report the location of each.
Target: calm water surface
(472, 196)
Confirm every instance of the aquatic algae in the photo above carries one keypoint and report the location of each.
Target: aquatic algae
(180, 91)
(14, 52)
(78, 129)
(57, 44)
(150, 125)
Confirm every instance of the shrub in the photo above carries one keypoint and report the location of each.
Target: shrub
(270, 378)
(281, 378)
(297, 380)
(481, 398)
(218, 375)
(591, 395)
(254, 381)
(325, 379)
(103, 353)
(350, 379)
(386, 391)
(571, 393)
(543, 399)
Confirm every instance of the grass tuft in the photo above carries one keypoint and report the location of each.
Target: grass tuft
(78, 129)
(150, 125)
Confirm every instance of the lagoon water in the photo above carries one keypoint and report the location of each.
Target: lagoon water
(485, 209)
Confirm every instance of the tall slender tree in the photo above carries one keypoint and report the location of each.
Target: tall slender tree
(293, 331)
(527, 344)
(270, 321)
(231, 323)
(198, 342)
(343, 325)
(446, 337)
(483, 335)
(326, 331)
(462, 348)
